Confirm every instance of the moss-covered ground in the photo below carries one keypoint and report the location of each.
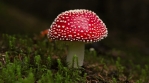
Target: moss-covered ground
(32, 59)
(122, 57)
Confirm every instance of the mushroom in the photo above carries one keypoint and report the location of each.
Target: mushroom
(78, 26)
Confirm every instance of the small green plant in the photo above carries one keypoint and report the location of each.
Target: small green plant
(119, 66)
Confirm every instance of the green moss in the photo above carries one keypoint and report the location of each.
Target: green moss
(24, 59)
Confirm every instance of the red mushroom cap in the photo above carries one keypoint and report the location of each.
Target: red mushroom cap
(78, 25)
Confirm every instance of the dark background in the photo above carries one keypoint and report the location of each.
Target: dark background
(127, 20)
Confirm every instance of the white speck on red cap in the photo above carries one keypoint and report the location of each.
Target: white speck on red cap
(78, 25)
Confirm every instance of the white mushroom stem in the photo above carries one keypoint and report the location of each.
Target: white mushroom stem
(75, 55)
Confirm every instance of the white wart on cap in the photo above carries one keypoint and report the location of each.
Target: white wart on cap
(78, 25)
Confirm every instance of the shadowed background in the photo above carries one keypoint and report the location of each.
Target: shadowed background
(127, 20)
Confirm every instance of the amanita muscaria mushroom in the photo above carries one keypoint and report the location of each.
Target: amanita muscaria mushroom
(77, 26)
